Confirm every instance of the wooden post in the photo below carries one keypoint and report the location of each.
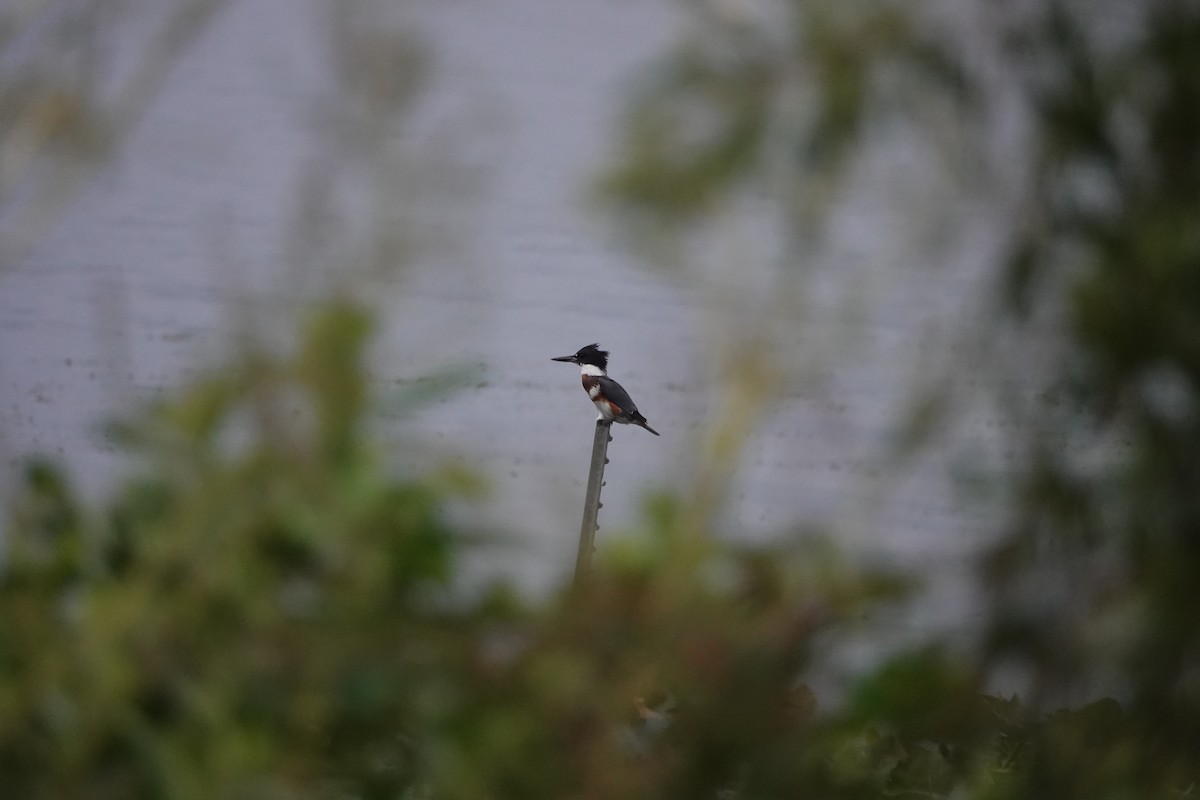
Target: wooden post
(591, 502)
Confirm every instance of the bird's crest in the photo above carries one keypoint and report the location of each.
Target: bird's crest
(592, 354)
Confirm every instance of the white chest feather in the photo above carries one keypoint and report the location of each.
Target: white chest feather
(603, 407)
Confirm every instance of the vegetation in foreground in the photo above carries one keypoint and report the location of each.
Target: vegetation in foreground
(262, 610)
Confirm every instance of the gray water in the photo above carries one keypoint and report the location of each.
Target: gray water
(144, 283)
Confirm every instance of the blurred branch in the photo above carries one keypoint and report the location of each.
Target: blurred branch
(58, 128)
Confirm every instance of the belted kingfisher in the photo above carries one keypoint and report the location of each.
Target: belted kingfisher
(611, 399)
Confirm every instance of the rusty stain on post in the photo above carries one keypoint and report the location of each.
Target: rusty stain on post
(591, 502)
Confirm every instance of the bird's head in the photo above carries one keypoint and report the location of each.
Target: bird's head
(591, 354)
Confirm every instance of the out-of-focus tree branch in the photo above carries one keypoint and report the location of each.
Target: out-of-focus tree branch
(63, 112)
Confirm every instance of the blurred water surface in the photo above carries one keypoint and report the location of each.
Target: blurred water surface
(150, 276)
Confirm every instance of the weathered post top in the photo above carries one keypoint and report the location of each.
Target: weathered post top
(591, 502)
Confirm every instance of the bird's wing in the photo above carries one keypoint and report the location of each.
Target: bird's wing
(617, 395)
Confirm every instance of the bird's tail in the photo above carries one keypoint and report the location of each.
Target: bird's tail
(640, 420)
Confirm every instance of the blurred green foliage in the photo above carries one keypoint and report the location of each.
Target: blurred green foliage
(240, 618)
(262, 610)
(777, 101)
(1110, 242)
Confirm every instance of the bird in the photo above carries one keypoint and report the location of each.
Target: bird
(611, 399)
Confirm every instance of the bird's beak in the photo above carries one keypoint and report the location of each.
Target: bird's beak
(568, 359)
